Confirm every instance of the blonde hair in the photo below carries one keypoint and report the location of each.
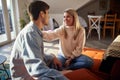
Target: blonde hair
(76, 23)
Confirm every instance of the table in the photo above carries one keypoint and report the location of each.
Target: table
(113, 49)
(2, 61)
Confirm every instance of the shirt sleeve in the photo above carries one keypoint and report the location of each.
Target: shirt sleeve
(33, 58)
(78, 50)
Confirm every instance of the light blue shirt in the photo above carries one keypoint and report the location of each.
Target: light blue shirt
(28, 59)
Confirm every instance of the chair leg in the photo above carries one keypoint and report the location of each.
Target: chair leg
(103, 33)
(113, 34)
(98, 31)
(89, 32)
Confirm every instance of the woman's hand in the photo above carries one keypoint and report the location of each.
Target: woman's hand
(68, 61)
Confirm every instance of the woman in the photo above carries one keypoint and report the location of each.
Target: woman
(71, 36)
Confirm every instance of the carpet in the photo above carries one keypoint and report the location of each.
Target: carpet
(3, 74)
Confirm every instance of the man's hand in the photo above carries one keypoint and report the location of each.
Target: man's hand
(57, 63)
(65, 71)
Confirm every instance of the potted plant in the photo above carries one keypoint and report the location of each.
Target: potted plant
(26, 19)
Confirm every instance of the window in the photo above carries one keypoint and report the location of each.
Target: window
(6, 27)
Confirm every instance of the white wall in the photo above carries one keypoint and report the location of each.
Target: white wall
(91, 7)
(58, 18)
(23, 4)
(56, 7)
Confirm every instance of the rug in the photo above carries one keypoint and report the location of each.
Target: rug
(3, 74)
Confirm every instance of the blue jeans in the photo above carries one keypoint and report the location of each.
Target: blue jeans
(82, 61)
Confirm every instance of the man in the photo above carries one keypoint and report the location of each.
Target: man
(28, 61)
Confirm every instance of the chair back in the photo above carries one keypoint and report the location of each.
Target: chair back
(109, 23)
(110, 20)
(94, 21)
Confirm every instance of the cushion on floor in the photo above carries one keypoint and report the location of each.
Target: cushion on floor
(96, 55)
(82, 74)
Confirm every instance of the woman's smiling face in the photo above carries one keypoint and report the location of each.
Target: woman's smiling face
(68, 19)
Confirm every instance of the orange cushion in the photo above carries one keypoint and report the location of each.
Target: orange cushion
(82, 74)
(96, 55)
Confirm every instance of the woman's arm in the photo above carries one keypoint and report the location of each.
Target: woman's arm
(51, 35)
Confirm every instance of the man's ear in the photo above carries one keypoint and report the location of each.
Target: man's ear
(42, 14)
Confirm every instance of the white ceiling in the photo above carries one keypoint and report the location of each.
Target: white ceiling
(58, 6)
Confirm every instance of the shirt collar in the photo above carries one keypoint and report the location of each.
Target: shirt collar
(36, 28)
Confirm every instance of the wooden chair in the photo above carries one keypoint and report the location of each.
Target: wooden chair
(94, 23)
(118, 29)
(109, 23)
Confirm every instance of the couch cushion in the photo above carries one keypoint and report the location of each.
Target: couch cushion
(82, 74)
(115, 73)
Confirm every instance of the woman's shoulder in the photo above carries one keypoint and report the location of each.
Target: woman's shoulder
(82, 29)
(59, 29)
